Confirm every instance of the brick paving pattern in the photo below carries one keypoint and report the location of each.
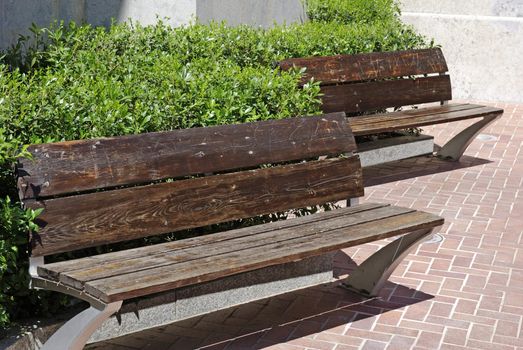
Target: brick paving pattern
(465, 292)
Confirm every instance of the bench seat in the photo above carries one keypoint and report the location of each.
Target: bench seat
(386, 122)
(132, 273)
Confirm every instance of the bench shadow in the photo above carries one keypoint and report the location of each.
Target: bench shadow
(414, 167)
(280, 319)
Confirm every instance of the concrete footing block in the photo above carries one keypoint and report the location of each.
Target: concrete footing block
(394, 148)
(211, 296)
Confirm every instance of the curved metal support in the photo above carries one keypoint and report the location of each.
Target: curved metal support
(76, 332)
(456, 146)
(40, 283)
(371, 275)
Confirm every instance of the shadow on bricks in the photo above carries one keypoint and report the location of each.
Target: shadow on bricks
(413, 167)
(286, 318)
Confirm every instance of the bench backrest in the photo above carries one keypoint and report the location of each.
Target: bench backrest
(374, 81)
(102, 191)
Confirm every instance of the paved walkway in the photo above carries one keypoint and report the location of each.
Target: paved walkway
(465, 292)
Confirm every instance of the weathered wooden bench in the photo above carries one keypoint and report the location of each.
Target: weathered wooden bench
(365, 83)
(103, 191)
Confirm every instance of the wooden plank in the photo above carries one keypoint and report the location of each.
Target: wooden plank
(53, 270)
(163, 257)
(369, 96)
(369, 66)
(386, 123)
(166, 278)
(93, 219)
(413, 114)
(436, 109)
(76, 166)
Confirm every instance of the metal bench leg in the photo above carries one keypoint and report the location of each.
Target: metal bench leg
(370, 275)
(456, 146)
(76, 332)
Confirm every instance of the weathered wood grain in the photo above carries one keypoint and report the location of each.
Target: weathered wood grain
(366, 125)
(163, 256)
(53, 270)
(76, 166)
(368, 96)
(76, 222)
(369, 66)
(168, 277)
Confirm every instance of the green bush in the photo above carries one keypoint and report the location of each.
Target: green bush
(78, 82)
(352, 11)
(92, 82)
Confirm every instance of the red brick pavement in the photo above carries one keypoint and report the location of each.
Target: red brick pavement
(465, 292)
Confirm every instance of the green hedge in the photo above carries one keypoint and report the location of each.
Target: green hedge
(353, 11)
(77, 82)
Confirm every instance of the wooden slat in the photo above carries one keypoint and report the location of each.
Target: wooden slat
(88, 220)
(360, 97)
(75, 166)
(411, 113)
(52, 271)
(166, 277)
(415, 114)
(164, 256)
(400, 120)
(369, 66)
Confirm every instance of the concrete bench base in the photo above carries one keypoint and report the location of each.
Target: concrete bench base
(203, 298)
(395, 148)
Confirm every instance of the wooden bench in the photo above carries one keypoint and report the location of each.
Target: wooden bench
(366, 83)
(104, 191)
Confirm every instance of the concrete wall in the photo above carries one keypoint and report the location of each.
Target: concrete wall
(262, 13)
(482, 41)
(100, 12)
(16, 16)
